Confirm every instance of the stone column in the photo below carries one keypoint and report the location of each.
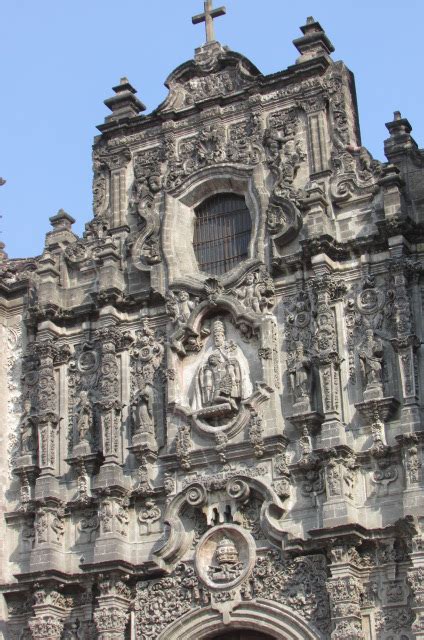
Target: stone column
(49, 611)
(111, 616)
(345, 590)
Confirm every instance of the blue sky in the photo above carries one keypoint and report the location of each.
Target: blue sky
(60, 59)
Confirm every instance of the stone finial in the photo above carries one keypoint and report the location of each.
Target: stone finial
(314, 43)
(398, 125)
(124, 104)
(400, 140)
(61, 220)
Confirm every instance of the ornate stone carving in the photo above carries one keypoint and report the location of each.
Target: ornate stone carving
(256, 435)
(146, 359)
(299, 584)
(108, 400)
(179, 306)
(224, 557)
(183, 446)
(222, 380)
(300, 373)
(113, 516)
(49, 525)
(46, 627)
(256, 292)
(148, 515)
(284, 220)
(27, 427)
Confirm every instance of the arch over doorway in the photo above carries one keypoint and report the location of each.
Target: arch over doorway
(242, 635)
(262, 616)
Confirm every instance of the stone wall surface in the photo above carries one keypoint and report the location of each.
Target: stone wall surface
(183, 453)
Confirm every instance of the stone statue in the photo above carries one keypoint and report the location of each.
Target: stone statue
(222, 378)
(371, 356)
(143, 409)
(84, 414)
(228, 566)
(249, 294)
(300, 374)
(28, 443)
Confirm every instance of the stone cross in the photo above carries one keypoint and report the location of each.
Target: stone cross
(208, 17)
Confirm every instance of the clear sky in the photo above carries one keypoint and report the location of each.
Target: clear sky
(60, 58)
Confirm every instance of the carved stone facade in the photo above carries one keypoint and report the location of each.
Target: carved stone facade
(185, 454)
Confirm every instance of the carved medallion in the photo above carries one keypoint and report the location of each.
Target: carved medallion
(225, 556)
(88, 362)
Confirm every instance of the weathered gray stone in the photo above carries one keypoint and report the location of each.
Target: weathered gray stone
(184, 453)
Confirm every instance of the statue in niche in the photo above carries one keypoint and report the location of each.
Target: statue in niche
(28, 442)
(300, 374)
(223, 380)
(142, 406)
(228, 566)
(371, 357)
(84, 414)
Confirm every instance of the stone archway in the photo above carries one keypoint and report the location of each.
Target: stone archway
(242, 635)
(271, 619)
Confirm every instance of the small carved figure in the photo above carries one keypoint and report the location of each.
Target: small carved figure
(143, 409)
(371, 356)
(300, 374)
(228, 566)
(186, 306)
(27, 430)
(248, 293)
(179, 306)
(84, 414)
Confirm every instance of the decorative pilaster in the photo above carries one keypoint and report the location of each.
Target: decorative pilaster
(108, 403)
(47, 416)
(345, 589)
(111, 616)
(49, 611)
(117, 164)
(327, 289)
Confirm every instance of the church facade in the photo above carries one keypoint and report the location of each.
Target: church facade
(212, 400)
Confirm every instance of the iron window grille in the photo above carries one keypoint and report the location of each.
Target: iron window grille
(222, 233)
